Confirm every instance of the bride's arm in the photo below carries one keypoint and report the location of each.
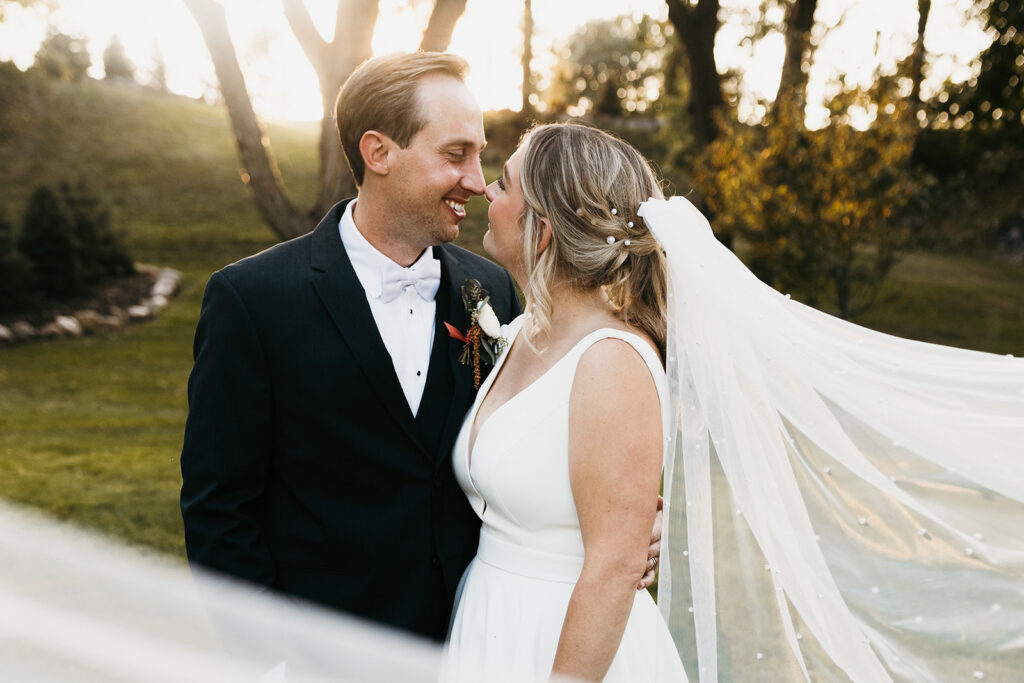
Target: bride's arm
(615, 452)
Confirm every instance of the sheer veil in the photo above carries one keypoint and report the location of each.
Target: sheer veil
(840, 504)
(77, 607)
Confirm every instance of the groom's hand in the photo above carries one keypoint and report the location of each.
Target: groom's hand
(654, 550)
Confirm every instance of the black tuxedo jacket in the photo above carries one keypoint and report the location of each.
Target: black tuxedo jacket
(303, 467)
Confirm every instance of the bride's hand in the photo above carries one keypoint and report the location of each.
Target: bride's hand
(654, 550)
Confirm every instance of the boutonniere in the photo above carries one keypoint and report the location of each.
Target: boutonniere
(484, 330)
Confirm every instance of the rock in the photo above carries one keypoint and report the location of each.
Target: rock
(167, 283)
(24, 330)
(120, 314)
(156, 303)
(139, 312)
(89, 320)
(70, 325)
(110, 322)
(51, 331)
(6, 336)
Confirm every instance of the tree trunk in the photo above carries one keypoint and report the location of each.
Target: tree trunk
(526, 110)
(258, 168)
(793, 84)
(924, 8)
(333, 62)
(438, 34)
(697, 25)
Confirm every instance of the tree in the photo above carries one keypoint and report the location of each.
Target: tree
(697, 25)
(610, 67)
(796, 65)
(47, 240)
(63, 58)
(333, 62)
(116, 65)
(526, 109)
(158, 76)
(825, 212)
(995, 98)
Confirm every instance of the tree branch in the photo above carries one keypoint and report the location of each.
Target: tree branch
(438, 34)
(258, 168)
(310, 40)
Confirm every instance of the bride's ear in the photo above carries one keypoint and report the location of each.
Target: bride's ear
(373, 147)
(544, 236)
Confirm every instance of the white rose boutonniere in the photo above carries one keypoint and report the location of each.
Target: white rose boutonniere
(484, 330)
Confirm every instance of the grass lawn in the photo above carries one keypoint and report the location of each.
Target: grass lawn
(91, 429)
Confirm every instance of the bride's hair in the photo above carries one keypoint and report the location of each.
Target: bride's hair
(589, 185)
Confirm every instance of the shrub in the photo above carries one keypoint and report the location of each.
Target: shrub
(16, 282)
(99, 252)
(47, 240)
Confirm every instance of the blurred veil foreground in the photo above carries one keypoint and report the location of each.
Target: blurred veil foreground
(74, 606)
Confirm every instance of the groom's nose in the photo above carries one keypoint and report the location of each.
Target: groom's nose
(473, 178)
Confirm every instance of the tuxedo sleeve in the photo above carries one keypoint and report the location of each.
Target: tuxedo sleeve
(225, 459)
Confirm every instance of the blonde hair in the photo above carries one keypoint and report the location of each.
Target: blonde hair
(381, 95)
(589, 185)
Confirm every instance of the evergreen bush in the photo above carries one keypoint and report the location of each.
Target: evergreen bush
(100, 254)
(17, 286)
(48, 241)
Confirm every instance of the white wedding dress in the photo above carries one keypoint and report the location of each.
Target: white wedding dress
(514, 595)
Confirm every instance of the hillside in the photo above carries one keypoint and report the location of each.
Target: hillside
(92, 428)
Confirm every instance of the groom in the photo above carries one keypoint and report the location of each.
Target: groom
(326, 392)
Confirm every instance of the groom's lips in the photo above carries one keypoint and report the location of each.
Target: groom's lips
(457, 207)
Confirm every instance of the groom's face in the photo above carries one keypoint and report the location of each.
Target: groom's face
(440, 170)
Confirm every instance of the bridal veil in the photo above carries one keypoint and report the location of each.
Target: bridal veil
(841, 504)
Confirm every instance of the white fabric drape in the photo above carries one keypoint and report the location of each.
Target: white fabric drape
(840, 503)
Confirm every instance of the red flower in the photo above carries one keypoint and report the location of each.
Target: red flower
(455, 334)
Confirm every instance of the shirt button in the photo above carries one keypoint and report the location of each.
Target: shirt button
(418, 373)
(410, 311)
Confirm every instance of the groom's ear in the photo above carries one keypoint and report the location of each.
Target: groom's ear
(544, 237)
(373, 147)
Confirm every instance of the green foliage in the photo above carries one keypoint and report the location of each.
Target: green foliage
(47, 240)
(116, 65)
(63, 58)
(610, 67)
(825, 212)
(995, 97)
(100, 253)
(67, 240)
(17, 285)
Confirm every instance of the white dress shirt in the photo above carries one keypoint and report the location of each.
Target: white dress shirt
(406, 323)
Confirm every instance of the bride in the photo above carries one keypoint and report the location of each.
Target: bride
(561, 453)
(852, 500)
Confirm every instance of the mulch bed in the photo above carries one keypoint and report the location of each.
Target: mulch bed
(103, 297)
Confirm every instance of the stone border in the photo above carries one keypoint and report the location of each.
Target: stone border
(166, 285)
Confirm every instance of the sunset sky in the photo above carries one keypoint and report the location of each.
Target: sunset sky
(283, 85)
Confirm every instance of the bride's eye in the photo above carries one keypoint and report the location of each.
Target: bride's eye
(501, 184)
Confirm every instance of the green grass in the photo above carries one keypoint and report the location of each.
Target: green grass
(91, 429)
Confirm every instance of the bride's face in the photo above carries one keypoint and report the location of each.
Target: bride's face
(504, 238)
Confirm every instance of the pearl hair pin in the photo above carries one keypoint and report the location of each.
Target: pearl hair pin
(615, 212)
(609, 239)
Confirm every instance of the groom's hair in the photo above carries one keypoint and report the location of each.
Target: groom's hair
(381, 95)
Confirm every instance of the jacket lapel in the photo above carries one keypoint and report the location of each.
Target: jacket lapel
(343, 297)
(455, 275)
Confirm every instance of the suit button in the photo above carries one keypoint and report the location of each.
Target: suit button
(437, 483)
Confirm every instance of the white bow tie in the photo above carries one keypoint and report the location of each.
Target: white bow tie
(425, 276)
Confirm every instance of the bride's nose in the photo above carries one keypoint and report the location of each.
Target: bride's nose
(489, 191)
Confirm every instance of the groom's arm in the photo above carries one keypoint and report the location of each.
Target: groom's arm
(226, 453)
